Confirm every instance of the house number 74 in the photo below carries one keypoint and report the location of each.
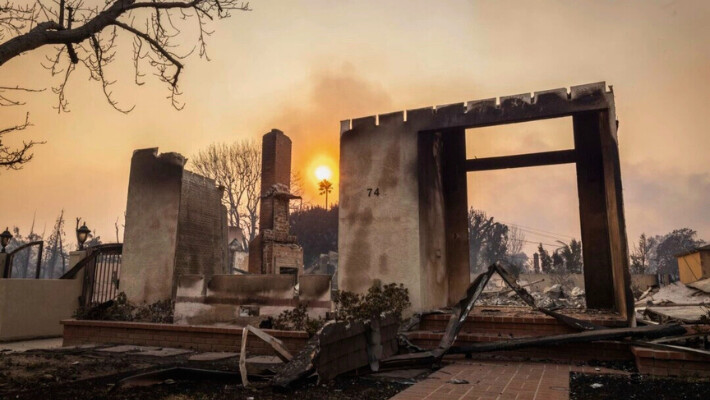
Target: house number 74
(371, 192)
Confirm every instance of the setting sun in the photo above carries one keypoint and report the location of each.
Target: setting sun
(323, 172)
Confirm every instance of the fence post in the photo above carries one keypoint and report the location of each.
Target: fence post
(4, 264)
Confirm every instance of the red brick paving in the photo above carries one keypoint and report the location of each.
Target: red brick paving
(500, 380)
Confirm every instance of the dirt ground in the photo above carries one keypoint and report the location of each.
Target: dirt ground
(89, 374)
(602, 387)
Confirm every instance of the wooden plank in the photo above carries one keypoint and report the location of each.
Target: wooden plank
(509, 279)
(243, 358)
(672, 347)
(522, 160)
(276, 344)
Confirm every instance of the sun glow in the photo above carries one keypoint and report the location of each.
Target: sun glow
(323, 172)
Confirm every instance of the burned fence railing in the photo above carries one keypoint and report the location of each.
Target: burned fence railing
(11, 256)
(102, 273)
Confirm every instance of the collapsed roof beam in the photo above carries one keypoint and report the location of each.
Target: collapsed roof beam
(522, 160)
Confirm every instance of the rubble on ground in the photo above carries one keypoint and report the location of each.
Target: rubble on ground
(676, 302)
(554, 296)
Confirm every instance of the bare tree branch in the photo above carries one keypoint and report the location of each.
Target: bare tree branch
(73, 24)
(236, 167)
(15, 158)
(87, 34)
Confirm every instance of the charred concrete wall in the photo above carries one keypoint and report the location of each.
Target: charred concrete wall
(175, 224)
(381, 233)
(150, 238)
(202, 221)
(223, 298)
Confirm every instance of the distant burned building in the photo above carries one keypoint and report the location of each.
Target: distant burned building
(238, 253)
(274, 250)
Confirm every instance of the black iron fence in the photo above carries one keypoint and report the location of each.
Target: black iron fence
(102, 273)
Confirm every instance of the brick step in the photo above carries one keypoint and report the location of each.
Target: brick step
(577, 352)
(671, 363)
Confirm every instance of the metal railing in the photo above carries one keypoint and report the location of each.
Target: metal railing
(7, 268)
(102, 273)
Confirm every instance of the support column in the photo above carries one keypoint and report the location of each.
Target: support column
(455, 212)
(594, 221)
(618, 241)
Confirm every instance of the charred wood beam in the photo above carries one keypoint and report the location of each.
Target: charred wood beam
(646, 332)
(509, 279)
(461, 311)
(522, 160)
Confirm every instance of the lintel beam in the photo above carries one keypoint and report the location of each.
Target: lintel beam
(522, 160)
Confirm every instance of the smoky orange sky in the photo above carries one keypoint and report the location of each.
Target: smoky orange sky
(302, 66)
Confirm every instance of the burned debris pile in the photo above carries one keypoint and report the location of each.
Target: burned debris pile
(554, 296)
(354, 344)
(687, 303)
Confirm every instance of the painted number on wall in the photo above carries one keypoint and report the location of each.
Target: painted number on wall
(373, 192)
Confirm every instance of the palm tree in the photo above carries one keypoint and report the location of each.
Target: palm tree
(325, 187)
(571, 255)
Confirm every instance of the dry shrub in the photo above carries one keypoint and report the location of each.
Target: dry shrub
(121, 309)
(379, 299)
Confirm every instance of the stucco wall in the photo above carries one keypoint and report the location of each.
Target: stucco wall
(32, 308)
(379, 233)
(151, 225)
(314, 287)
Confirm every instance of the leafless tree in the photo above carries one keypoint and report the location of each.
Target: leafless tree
(86, 33)
(237, 167)
(516, 240)
(55, 254)
(297, 190)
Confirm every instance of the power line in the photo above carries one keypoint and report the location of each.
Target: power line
(542, 234)
(546, 244)
(539, 230)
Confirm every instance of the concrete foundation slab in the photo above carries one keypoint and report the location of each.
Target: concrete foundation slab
(165, 352)
(127, 349)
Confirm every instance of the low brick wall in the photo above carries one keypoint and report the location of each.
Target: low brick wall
(515, 322)
(194, 337)
(671, 363)
(492, 324)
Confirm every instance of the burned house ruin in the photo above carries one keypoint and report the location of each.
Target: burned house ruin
(403, 193)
